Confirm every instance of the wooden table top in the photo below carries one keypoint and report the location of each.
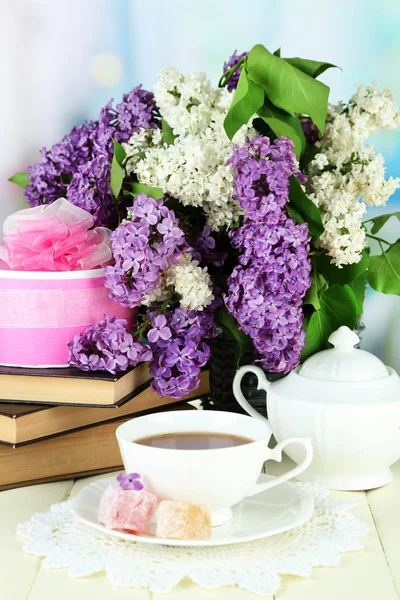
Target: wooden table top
(369, 574)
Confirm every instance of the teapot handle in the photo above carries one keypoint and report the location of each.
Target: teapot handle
(262, 384)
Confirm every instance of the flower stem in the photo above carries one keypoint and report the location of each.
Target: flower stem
(378, 239)
(225, 77)
(147, 322)
(161, 309)
(117, 208)
(140, 330)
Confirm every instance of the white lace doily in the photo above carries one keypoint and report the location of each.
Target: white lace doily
(253, 566)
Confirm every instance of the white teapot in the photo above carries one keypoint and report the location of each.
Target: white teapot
(348, 402)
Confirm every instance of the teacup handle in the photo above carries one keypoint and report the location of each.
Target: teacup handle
(276, 453)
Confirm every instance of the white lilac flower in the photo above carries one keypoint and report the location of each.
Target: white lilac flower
(192, 283)
(378, 107)
(188, 280)
(346, 175)
(144, 139)
(193, 169)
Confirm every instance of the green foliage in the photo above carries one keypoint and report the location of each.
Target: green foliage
(313, 68)
(287, 87)
(344, 275)
(20, 179)
(384, 271)
(309, 154)
(335, 297)
(381, 220)
(248, 99)
(317, 288)
(117, 170)
(227, 75)
(338, 306)
(230, 325)
(359, 287)
(151, 192)
(168, 134)
(303, 210)
(282, 123)
(278, 90)
(118, 175)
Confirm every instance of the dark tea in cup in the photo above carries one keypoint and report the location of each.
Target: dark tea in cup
(192, 440)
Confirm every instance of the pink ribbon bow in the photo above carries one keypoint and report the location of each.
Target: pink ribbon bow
(54, 237)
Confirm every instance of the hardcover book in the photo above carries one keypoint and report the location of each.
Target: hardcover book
(26, 423)
(70, 386)
(79, 454)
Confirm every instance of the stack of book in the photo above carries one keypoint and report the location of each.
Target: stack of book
(60, 423)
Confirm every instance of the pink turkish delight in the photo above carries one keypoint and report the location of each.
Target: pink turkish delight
(126, 509)
(183, 521)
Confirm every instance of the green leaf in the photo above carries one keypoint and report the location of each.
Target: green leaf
(282, 123)
(21, 179)
(358, 286)
(338, 307)
(287, 87)
(384, 271)
(312, 296)
(345, 274)
(379, 222)
(168, 134)
(119, 153)
(151, 192)
(230, 325)
(303, 210)
(294, 213)
(225, 320)
(117, 171)
(277, 52)
(248, 99)
(313, 68)
(309, 154)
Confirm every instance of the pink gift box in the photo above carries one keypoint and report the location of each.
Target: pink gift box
(41, 311)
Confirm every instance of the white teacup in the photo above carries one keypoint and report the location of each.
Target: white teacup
(221, 477)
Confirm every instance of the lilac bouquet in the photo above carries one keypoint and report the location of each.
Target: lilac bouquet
(237, 208)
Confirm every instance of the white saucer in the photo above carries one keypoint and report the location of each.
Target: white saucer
(273, 511)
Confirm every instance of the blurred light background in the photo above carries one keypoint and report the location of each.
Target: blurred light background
(63, 59)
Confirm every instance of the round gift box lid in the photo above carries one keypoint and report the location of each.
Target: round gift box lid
(343, 362)
(51, 275)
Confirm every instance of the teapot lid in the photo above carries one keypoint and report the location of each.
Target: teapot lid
(343, 362)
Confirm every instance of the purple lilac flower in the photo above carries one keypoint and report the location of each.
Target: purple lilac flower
(143, 247)
(203, 249)
(136, 111)
(232, 83)
(130, 481)
(106, 346)
(177, 361)
(266, 289)
(310, 131)
(160, 330)
(90, 190)
(50, 178)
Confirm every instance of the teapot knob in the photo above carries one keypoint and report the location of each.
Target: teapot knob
(344, 338)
